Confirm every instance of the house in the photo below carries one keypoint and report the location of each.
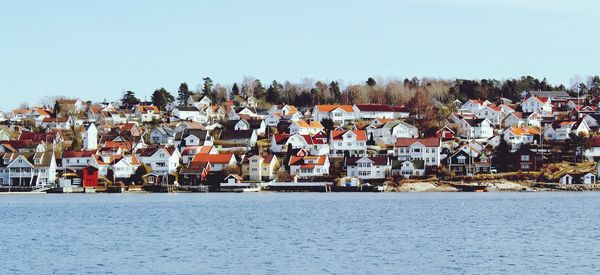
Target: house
(124, 167)
(391, 130)
(552, 95)
(525, 159)
(308, 166)
(593, 153)
(537, 104)
(306, 128)
(190, 113)
(188, 153)
(561, 130)
(198, 101)
(474, 105)
(162, 135)
(445, 133)
(261, 167)
(282, 112)
(62, 123)
(408, 168)
(147, 113)
(314, 144)
(426, 149)
(195, 173)
(352, 143)
(368, 167)
(247, 124)
(240, 137)
(515, 136)
(468, 160)
(31, 169)
(193, 137)
(216, 113)
(218, 162)
(373, 111)
(162, 159)
(480, 128)
(491, 112)
(338, 113)
(77, 159)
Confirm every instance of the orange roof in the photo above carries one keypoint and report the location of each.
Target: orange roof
(329, 108)
(523, 131)
(306, 161)
(360, 134)
(223, 158)
(312, 124)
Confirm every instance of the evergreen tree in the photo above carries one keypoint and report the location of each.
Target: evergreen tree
(334, 90)
(183, 93)
(235, 90)
(259, 89)
(161, 97)
(207, 87)
(371, 82)
(129, 99)
(273, 92)
(502, 156)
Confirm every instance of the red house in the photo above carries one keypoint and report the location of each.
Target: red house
(89, 175)
(445, 133)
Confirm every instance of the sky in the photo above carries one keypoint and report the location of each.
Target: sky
(95, 50)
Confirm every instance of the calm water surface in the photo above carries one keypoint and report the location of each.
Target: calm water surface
(301, 233)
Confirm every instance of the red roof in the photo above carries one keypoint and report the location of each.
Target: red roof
(223, 158)
(78, 154)
(37, 136)
(427, 142)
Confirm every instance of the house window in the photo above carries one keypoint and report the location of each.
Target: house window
(524, 157)
(524, 166)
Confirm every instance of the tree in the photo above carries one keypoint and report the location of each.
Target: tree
(183, 93)
(371, 82)
(207, 87)
(334, 90)
(502, 156)
(129, 99)
(161, 97)
(273, 92)
(235, 90)
(426, 116)
(259, 89)
(327, 124)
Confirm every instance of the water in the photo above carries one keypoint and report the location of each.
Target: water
(301, 233)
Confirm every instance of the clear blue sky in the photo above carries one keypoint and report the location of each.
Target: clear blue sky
(96, 49)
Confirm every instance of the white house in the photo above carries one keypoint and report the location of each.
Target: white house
(198, 101)
(309, 166)
(408, 168)
(218, 162)
(368, 167)
(350, 142)
(515, 136)
(373, 111)
(537, 104)
(514, 119)
(426, 149)
(476, 128)
(474, 105)
(306, 128)
(162, 160)
(190, 113)
(491, 112)
(562, 130)
(34, 169)
(338, 113)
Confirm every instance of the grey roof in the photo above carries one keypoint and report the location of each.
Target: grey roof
(548, 93)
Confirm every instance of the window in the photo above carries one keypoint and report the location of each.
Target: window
(524, 157)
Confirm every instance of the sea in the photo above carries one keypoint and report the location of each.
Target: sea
(301, 233)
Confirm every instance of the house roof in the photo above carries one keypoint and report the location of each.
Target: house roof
(519, 131)
(236, 134)
(374, 108)
(78, 154)
(222, 158)
(307, 160)
(310, 124)
(375, 160)
(360, 134)
(329, 108)
(55, 120)
(427, 142)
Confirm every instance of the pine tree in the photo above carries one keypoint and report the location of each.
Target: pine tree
(183, 93)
